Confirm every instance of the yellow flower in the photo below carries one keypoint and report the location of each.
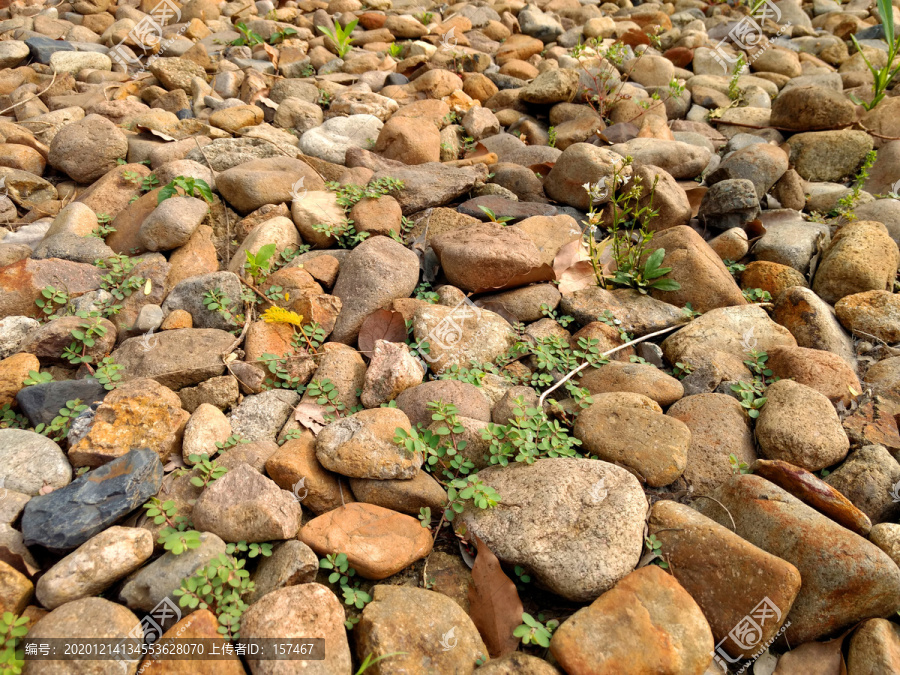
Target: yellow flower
(281, 315)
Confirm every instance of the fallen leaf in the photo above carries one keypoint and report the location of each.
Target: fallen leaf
(499, 308)
(176, 462)
(568, 255)
(381, 324)
(311, 416)
(155, 132)
(578, 276)
(695, 196)
(272, 53)
(543, 168)
(535, 275)
(821, 658)
(494, 603)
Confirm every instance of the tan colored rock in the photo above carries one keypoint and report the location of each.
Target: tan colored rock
(392, 370)
(201, 624)
(13, 372)
(15, 589)
(647, 622)
(95, 565)
(651, 445)
(639, 378)
(771, 277)
(823, 371)
(871, 314)
(362, 446)
(206, 427)
(862, 257)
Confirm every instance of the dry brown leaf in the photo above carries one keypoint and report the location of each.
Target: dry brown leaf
(382, 324)
(535, 275)
(499, 308)
(695, 196)
(568, 255)
(155, 132)
(543, 168)
(821, 658)
(578, 276)
(311, 416)
(494, 603)
(272, 53)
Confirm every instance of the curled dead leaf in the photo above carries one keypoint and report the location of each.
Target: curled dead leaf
(494, 603)
(381, 324)
(311, 416)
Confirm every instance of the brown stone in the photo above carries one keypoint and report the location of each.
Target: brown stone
(22, 282)
(51, 339)
(874, 648)
(646, 623)
(826, 372)
(639, 378)
(810, 489)
(177, 318)
(873, 423)
(405, 496)
(719, 428)
(705, 281)
(13, 371)
(195, 258)
(726, 575)
(15, 589)
(200, 624)
(294, 467)
(378, 542)
(770, 276)
(140, 413)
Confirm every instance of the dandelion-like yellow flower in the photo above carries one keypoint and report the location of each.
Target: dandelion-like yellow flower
(281, 315)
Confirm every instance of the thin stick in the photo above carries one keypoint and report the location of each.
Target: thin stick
(606, 353)
(15, 105)
(733, 526)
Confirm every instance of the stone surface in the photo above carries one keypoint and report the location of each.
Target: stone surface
(646, 621)
(244, 505)
(378, 542)
(595, 540)
(845, 578)
(29, 461)
(66, 518)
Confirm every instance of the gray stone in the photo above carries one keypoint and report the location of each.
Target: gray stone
(69, 246)
(66, 518)
(172, 223)
(15, 331)
(729, 203)
(575, 525)
(175, 358)
(332, 140)
(189, 294)
(290, 564)
(29, 461)
(791, 241)
(260, 417)
(144, 590)
(867, 478)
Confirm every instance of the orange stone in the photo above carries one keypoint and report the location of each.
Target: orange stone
(378, 542)
(13, 372)
(201, 624)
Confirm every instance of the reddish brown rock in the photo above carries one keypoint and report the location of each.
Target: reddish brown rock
(727, 576)
(845, 578)
(646, 623)
(638, 378)
(810, 489)
(294, 467)
(22, 282)
(378, 542)
(826, 372)
(50, 341)
(705, 281)
(770, 276)
(873, 423)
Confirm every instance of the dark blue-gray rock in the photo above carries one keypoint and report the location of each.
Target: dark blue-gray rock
(505, 208)
(506, 81)
(729, 203)
(184, 114)
(70, 246)
(42, 402)
(42, 48)
(29, 461)
(66, 518)
(396, 78)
